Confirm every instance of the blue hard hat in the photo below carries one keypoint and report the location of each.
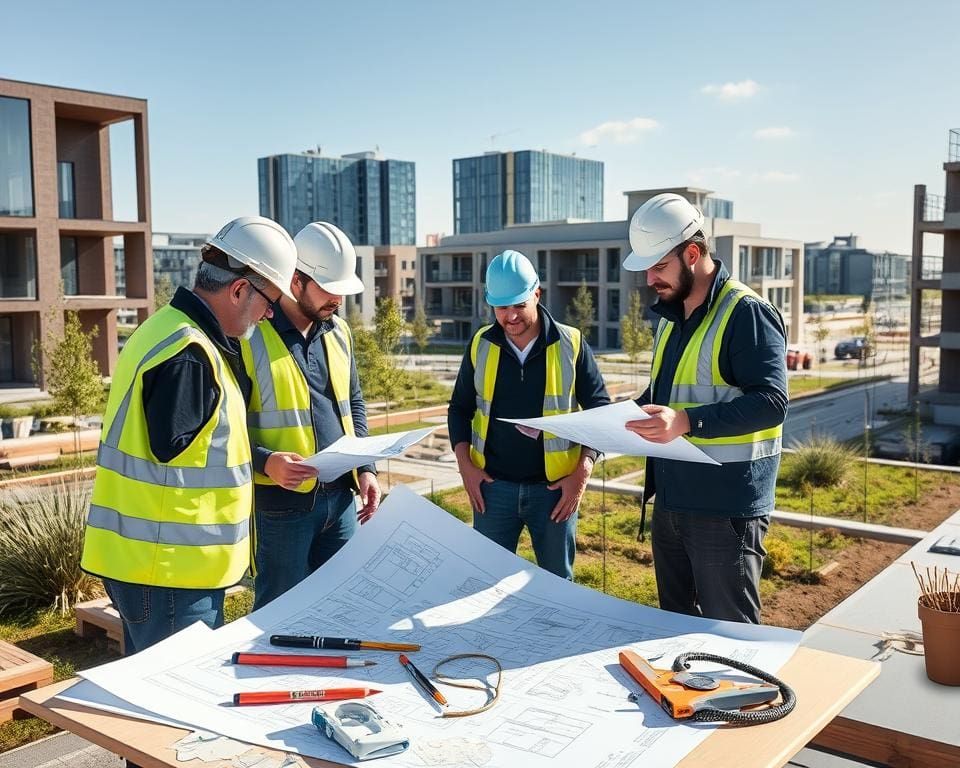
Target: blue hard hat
(511, 279)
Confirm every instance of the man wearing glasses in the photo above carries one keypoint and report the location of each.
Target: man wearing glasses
(306, 395)
(169, 521)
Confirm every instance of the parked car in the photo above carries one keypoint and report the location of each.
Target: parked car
(360, 729)
(854, 348)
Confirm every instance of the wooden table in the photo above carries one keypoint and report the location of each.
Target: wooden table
(825, 683)
(903, 719)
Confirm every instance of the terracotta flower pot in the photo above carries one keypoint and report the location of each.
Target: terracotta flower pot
(941, 644)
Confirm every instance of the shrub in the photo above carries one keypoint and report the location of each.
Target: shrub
(41, 540)
(779, 558)
(821, 462)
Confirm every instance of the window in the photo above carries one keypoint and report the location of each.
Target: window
(16, 171)
(613, 265)
(69, 272)
(403, 265)
(65, 188)
(18, 266)
(744, 267)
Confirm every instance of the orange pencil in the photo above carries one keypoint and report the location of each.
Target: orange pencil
(294, 697)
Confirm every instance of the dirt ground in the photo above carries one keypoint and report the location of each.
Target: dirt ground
(800, 605)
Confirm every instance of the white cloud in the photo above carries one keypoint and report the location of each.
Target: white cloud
(774, 132)
(745, 89)
(619, 131)
(777, 177)
(704, 175)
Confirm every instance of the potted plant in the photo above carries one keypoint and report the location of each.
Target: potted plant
(939, 611)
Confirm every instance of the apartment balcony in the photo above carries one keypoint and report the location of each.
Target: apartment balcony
(441, 310)
(381, 272)
(587, 274)
(451, 276)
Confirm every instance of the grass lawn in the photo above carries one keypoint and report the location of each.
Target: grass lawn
(62, 464)
(889, 492)
(622, 465)
(628, 569)
(404, 427)
(49, 635)
(799, 385)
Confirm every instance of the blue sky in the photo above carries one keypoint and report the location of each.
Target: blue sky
(816, 118)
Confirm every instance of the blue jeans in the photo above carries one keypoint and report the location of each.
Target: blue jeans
(510, 506)
(151, 614)
(709, 565)
(293, 543)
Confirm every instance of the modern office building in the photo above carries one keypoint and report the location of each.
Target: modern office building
(371, 199)
(57, 224)
(938, 216)
(567, 255)
(843, 267)
(500, 189)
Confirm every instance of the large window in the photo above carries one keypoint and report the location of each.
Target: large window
(16, 173)
(18, 266)
(65, 190)
(69, 273)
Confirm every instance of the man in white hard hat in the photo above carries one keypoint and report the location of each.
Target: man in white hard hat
(718, 377)
(524, 365)
(306, 395)
(168, 528)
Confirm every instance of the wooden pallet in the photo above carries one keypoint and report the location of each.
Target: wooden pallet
(99, 617)
(20, 671)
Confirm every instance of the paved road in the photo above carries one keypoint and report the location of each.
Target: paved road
(841, 414)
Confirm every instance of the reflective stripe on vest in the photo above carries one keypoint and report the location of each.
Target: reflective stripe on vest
(560, 456)
(697, 380)
(280, 416)
(183, 523)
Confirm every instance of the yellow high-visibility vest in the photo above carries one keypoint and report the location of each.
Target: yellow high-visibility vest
(183, 523)
(560, 456)
(697, 380)
(279, 415)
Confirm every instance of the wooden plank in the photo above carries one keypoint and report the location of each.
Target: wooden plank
(882, 745)
(824, 682)
(20, 671)
(96, 617)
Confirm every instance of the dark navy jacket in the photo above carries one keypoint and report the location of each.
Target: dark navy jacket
(311, 357)
(752, 357)
(518, 394)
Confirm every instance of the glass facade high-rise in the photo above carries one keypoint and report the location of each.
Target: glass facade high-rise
(372, 200)
(498, 189)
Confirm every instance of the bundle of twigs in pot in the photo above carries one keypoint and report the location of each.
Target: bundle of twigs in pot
(939, 610)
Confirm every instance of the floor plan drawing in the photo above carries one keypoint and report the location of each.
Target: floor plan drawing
(416, 574)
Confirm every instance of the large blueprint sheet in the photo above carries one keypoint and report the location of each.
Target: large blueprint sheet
(416, 574)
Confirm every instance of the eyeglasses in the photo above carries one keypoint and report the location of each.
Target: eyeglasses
(270, 302)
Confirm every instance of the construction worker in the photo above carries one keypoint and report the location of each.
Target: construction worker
(168, 528)
(524, 365)
(306, 395)
(718, 378)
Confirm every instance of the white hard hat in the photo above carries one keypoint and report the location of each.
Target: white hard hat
(263, 246)
(326, 254)
(658, 226)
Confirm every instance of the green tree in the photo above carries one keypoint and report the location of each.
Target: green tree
(420, 329)
(71, 376)
(354, 318)
(388, 324)
(635, 334)
(580, 313)
(820, 333)
(162, 291)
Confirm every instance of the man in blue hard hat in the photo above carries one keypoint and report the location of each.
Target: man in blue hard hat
(525, 365)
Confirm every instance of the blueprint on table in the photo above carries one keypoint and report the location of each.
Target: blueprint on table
(417, 574)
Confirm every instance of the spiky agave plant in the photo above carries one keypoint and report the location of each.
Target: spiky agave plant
(41, 540)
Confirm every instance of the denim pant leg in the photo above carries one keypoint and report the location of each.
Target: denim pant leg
(500, 522)
(152, 614)
(554, 544)
(339, 510)
(283, 548)
(727, 555)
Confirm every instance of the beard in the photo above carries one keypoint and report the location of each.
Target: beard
(684, 285)
(321, 313)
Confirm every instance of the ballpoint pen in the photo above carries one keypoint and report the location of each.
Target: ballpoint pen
(294, 660)
(422, 680)
(338, 643)
(294, 697)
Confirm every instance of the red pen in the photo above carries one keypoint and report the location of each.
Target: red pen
(296, 660)
(294, 697)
